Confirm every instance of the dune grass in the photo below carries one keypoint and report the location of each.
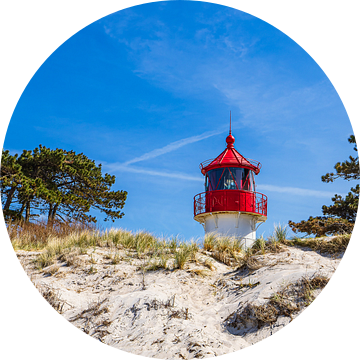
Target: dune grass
(225, 249)
(184, 253)
(36, 236)
(280, 233)
(64, 242)
(334, 246)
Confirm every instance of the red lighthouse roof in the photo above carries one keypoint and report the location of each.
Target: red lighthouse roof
(230, 157)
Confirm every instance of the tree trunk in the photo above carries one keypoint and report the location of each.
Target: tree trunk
(21, 211)
(49, 221)
(9, 198)
(27, 212)
(52, 213)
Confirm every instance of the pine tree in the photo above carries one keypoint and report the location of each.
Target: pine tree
(341, 215)
(16, 186)
(344, 208)
(347, 170)
(59, 183)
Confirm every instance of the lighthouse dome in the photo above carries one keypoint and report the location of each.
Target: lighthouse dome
(230, 141)
(230, 157)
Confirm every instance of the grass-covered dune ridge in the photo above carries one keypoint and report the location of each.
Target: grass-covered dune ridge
(58, 242)
(170, 299)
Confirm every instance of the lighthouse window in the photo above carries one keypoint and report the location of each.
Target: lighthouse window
(206, 183)
(230, 179)
(244, 178)
(214, 178)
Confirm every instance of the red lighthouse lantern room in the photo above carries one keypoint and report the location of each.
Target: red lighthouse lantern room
(230, 206)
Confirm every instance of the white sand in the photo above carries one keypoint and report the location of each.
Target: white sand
(179, 314)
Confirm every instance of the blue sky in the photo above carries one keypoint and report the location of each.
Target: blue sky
(147, 92)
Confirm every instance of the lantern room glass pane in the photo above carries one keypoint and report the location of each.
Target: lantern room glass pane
(230, 179)
(227, 181)
(206, 182)
(214, 177)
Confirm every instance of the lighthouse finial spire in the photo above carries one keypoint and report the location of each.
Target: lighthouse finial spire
(230, 139)
(230, 123)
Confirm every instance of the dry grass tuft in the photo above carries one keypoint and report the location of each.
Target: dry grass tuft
(51, 297)
(209, 264)
(70, 257)
(229, 249)
(210, 242)
(95, 319)
(49, 256)
(335, 246)
(36, 236)
(199, 272)
(95, 309)
(159, 262)
(182, 255)
(180, 314)
(225, 249)
(52, 270)
(285, 302)
(250, 262)
(273, 244)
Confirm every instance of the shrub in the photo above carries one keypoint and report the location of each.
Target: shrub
(336, 245)
(322, 226)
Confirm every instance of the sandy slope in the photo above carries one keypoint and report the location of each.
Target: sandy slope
(172, 314)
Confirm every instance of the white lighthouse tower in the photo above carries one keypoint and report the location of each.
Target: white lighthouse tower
(230, 206)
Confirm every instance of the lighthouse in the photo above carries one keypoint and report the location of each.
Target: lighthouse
(230, 205)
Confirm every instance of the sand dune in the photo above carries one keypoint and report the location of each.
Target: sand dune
(197, 312)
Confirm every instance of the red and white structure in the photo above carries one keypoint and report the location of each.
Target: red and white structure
(230, 206)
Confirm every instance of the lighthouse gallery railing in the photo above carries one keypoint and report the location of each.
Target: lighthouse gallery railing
(230, 200)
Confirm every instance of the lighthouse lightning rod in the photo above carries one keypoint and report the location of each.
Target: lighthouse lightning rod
(230, 123)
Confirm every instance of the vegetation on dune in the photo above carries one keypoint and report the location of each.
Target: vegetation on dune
(62, 185)
(65, 242)
(77, 249)
(336, 245)
(285, 302)
(36, 236)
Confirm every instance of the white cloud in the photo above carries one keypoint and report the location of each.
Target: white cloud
(181, 176)
(121, 167)
(172, 146)
(295, 191)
